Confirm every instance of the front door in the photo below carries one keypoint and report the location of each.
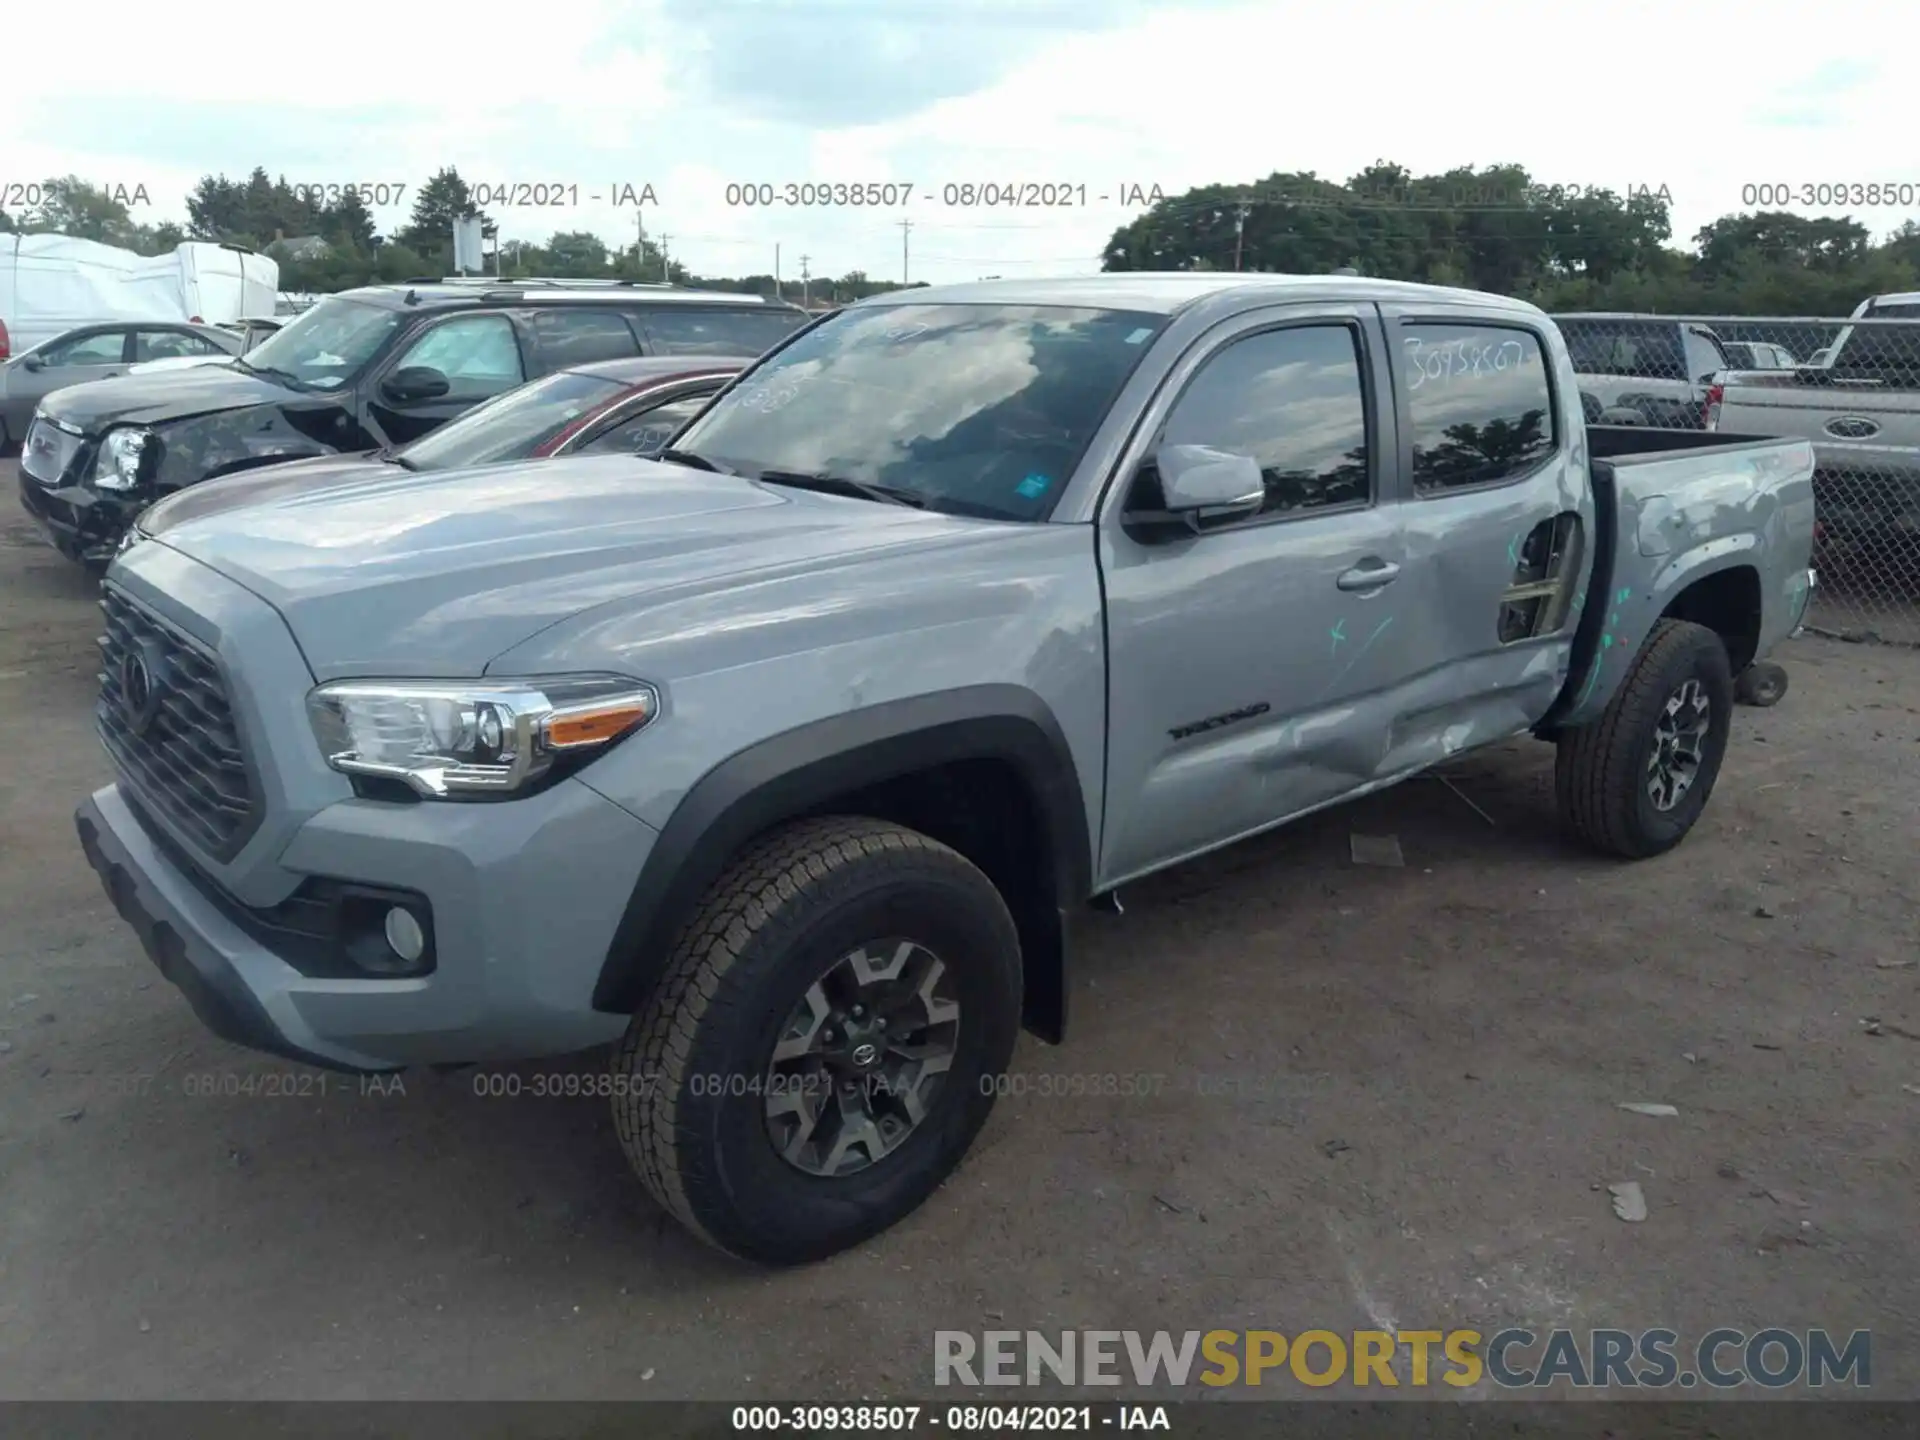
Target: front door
(1253, 666)
(478, 355)
(1499, 524)
(92, 355)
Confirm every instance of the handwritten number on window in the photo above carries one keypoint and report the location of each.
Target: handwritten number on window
(1460, 360)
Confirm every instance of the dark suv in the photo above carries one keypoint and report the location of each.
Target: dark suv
(359, 370)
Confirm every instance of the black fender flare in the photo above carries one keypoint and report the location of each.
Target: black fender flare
(802, 771)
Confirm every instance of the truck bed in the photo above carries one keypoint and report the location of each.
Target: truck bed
(1630, 443)
(1661, 497)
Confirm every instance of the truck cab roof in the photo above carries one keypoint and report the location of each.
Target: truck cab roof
(1902, 306)
(1171, 291)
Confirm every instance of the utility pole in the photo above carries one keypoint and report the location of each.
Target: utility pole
(666, 265)
(779, 290)
(905, 227)
(639, 244)
(805, 279)
(1239, 231)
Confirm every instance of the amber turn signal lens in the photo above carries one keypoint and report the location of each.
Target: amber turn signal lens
(572, 729)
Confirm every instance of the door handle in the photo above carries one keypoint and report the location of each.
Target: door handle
(1370, 575)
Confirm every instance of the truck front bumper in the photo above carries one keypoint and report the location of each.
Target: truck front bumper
(525, 898)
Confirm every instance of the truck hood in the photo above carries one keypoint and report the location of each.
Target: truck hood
(271, 482)
(159, 396)
(434, 575)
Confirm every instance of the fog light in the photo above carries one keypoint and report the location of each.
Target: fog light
(404, 935)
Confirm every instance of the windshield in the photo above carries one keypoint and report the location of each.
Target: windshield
(511, 426)
(972, 409)
(326, 346)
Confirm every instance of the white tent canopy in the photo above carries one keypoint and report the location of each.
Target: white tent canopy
(51, 283)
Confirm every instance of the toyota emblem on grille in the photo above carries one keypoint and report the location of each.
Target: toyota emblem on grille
(142, 670)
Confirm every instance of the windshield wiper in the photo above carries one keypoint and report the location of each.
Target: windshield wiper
(390, 455)
(287, 378)
(840, 485)
(687, 457)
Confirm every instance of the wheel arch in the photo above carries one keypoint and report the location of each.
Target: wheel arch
(1726, 599)
(985, 769)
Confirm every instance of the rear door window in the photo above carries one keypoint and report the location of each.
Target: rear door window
(567, 336)
(718, 330)
(171, 345)
(1480, 403)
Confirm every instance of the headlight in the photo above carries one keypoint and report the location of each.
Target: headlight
(454, 739)
(118, 464)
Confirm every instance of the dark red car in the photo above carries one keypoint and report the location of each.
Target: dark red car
(623, 406)
(627, 407)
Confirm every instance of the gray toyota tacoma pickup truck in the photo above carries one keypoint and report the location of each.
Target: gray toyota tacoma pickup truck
(783, 764)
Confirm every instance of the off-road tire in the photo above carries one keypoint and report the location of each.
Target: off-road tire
(1761, 685)
(787, 908)
(1600, 768)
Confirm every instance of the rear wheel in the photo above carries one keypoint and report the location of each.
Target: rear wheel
(1634, 781)
(825, 1043)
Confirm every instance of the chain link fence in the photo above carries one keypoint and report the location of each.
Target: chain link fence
(1852, 387)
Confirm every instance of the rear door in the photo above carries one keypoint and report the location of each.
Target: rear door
(1253, 666)
(1498, 524)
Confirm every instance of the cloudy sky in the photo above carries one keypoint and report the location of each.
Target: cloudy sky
(691, 95)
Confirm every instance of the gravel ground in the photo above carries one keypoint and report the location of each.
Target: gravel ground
(1384, 1097)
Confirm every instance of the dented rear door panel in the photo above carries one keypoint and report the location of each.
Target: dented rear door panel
(1496, 570)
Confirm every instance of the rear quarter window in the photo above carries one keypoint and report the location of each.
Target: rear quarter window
(1479, 402)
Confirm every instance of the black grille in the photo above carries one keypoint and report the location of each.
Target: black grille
(185, 761)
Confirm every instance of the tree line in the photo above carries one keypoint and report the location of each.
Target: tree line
(1496, 229)
(325, 241)
(1491, 228)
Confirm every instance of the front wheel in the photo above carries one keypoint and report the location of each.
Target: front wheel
(825, 1042)
(1634, 781)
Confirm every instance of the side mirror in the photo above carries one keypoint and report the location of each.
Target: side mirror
(33, 363)
(1206, 484)
(1198, 483)
(415, 382)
